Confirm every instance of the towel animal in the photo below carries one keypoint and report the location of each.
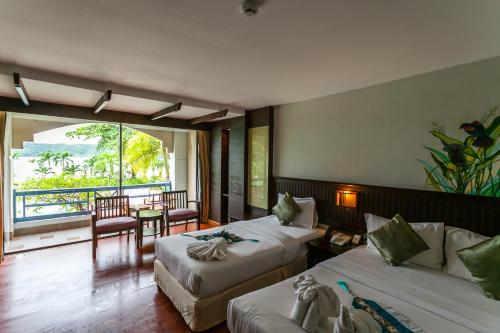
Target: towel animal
(315, 303)
(355, 321)
(208, 250)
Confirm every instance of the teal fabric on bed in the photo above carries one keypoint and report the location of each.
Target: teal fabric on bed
(397, 241)
(483, 261)
(286, 209)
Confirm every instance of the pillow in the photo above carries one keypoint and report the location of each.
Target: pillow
(457, 239)
(308, 218)
(397, 241)
(483, 261)
(431, 232)
(286, 209)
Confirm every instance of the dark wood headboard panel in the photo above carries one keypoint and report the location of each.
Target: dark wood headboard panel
(479, 214)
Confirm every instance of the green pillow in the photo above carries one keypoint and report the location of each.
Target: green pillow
(286, 209)
(397, 241)
(483, 261)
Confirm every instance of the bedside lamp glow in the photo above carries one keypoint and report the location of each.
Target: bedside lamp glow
(347, 199)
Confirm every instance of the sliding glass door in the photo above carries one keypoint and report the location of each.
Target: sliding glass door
(59, 168)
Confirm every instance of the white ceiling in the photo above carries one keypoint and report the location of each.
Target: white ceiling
(293, 50)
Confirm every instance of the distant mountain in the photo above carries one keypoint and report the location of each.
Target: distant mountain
(31, 149)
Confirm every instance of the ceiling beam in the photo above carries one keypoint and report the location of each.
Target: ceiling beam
(21, 90)
(162, 113)
(208, 117)
(103, 101)
(118, 89)
(10, 104)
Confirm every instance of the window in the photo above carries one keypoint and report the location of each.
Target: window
(258, 166)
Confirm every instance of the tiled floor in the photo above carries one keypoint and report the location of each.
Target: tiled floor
(23, 243)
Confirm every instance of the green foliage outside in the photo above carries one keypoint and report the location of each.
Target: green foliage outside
(258, 138)
(145, 161)
(470, 165)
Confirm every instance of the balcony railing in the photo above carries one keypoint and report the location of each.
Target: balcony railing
(33, 205)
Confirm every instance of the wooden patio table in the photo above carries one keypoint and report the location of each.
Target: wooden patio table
(148, 215)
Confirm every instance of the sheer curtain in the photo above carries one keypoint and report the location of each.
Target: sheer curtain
(3, 116)
(204, 173)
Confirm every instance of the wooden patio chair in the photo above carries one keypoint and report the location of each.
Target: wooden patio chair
(112, 215)
(154, 200)
(176, 209)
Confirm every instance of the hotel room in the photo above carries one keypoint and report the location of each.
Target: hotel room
(250, 166)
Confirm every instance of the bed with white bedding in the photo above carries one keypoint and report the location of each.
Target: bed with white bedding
(432, 299)
(193, 284)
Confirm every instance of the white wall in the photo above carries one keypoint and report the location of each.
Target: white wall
(375, 135)
(180, 162)
(8, 225)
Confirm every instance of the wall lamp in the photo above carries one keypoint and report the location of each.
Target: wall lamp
(18, 84)
(347, 199)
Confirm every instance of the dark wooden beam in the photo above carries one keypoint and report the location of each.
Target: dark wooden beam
(166, 111)
(103, 101)
(77, 112)
(118, 89)
(208, 117)
(21, 90)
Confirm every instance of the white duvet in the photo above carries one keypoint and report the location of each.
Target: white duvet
(278, 245)
(434, 300)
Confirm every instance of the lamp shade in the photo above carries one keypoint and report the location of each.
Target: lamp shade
(347, 199)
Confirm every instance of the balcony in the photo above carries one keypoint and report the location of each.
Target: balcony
(49, 217)
(36, 205)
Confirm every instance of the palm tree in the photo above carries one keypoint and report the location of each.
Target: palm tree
(142, 152)
(89, 165)
(46, 157)
(71, 170)
(43, 170)
(106, 164)
(16, 154)
(63, 159)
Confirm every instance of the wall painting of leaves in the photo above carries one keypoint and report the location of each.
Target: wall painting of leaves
(468, 164)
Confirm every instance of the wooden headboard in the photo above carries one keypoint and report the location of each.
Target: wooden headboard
(475, 213)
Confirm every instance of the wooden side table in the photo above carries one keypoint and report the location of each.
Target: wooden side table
(321, 249)
(154, 216)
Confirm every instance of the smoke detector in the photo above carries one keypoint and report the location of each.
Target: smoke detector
(249, 8)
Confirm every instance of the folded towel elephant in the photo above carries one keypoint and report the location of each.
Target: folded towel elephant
(315, 303)
(208, 250)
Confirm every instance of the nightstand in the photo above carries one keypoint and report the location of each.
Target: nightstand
(321, 249)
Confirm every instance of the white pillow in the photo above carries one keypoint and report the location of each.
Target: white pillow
(308, 217)
(457, 239)
(431, 232)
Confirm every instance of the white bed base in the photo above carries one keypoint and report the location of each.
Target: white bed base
(202, 314)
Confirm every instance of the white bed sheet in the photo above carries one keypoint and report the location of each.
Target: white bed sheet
(434, 300)
(278, 245)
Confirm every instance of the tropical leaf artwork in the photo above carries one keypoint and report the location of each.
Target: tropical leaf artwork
(471, 165)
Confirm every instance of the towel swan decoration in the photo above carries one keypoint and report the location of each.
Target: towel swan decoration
(208, 250)
(316, 302)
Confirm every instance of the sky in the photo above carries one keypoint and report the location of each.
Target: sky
(58, 135)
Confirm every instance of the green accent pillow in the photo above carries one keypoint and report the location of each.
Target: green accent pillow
(397, 241)
(286, 209)
(483, 261)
